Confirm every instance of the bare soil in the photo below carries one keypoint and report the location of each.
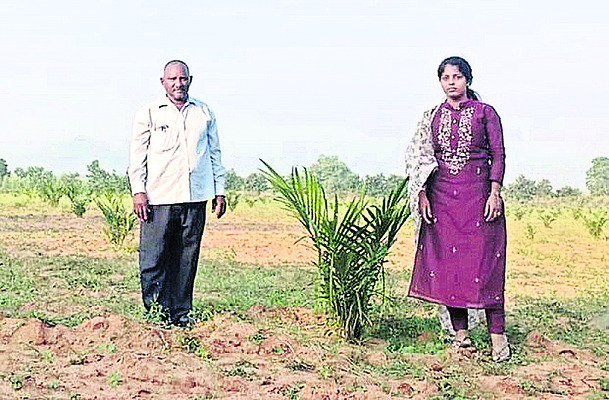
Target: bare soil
(115, 358)
(274, 354)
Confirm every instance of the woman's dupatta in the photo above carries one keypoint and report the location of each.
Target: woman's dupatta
(420, 164)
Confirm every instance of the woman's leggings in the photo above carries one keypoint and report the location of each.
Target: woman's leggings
(495, 319)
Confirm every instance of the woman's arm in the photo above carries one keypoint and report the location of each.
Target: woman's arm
(494, 134)
(494, 204)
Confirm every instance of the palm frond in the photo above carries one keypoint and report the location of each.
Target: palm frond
(352, 244)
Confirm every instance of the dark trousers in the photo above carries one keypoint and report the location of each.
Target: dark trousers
(169, 252)
(495, 319)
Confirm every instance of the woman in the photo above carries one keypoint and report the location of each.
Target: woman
(456, 164)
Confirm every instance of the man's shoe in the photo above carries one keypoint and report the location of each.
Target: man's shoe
(462, 339)
(183, 322)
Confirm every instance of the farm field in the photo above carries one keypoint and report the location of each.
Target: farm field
(72, 325)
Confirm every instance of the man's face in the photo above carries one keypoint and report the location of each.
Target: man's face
(176, 81)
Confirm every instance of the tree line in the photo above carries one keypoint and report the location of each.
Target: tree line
(333, 174)
(597, 183)
(109, 190)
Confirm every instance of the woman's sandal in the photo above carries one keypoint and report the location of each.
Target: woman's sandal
(502, 354)
(462, 343)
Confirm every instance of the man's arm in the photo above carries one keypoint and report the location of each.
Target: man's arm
(138, 157)
(219, 202)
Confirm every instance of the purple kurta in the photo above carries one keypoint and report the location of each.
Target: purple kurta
(460, 258)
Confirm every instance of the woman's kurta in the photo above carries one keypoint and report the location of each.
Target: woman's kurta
(460, 258)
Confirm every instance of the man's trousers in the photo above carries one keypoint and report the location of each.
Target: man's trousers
(169, 252)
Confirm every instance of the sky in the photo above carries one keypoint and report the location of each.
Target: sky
(291, 80)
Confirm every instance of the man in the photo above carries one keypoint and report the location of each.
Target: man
(174, 169)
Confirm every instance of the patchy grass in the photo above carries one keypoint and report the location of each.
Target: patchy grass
(232, 285)
(567, 320)
(558, 314)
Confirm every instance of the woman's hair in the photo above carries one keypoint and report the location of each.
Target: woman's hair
(464, 68)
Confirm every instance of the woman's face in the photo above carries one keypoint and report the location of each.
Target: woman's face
(454, 83)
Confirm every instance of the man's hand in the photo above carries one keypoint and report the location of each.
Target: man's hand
(140, 206)
(425, 207)
(218, 206)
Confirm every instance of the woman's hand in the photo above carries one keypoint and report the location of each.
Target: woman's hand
(494, 203)
(425, 207)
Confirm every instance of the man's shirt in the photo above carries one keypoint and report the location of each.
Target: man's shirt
(175, 154)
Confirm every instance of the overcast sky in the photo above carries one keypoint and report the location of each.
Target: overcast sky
(290, 80)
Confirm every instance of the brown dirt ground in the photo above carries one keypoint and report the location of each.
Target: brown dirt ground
(152, 362)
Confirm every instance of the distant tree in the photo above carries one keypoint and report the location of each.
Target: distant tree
(3, 168)
(376, 185)
(380, 185)
(256, 182)
(394, 182)
(334, 175)
(568, 191)
(37, 180)
(543, 188)
(101, 181)
(36, 175)
(522, 188)
(597, 177)
(233, 181)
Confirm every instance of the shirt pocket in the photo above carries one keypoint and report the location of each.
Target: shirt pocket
(197, 125)
(202, 141)
(163, 138)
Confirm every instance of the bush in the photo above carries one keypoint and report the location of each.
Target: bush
(547, 217)
(594, 221)
(50, 190)
(232, 199)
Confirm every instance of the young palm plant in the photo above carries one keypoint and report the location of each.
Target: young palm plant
(351, 245)
(119, 220)
(78, 193)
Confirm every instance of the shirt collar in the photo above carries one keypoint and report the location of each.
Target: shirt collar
(165, 102)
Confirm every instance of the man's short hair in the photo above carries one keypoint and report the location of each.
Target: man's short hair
(176, 62)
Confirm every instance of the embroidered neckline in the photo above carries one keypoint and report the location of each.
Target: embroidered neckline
(463, 105)
(455, 159)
